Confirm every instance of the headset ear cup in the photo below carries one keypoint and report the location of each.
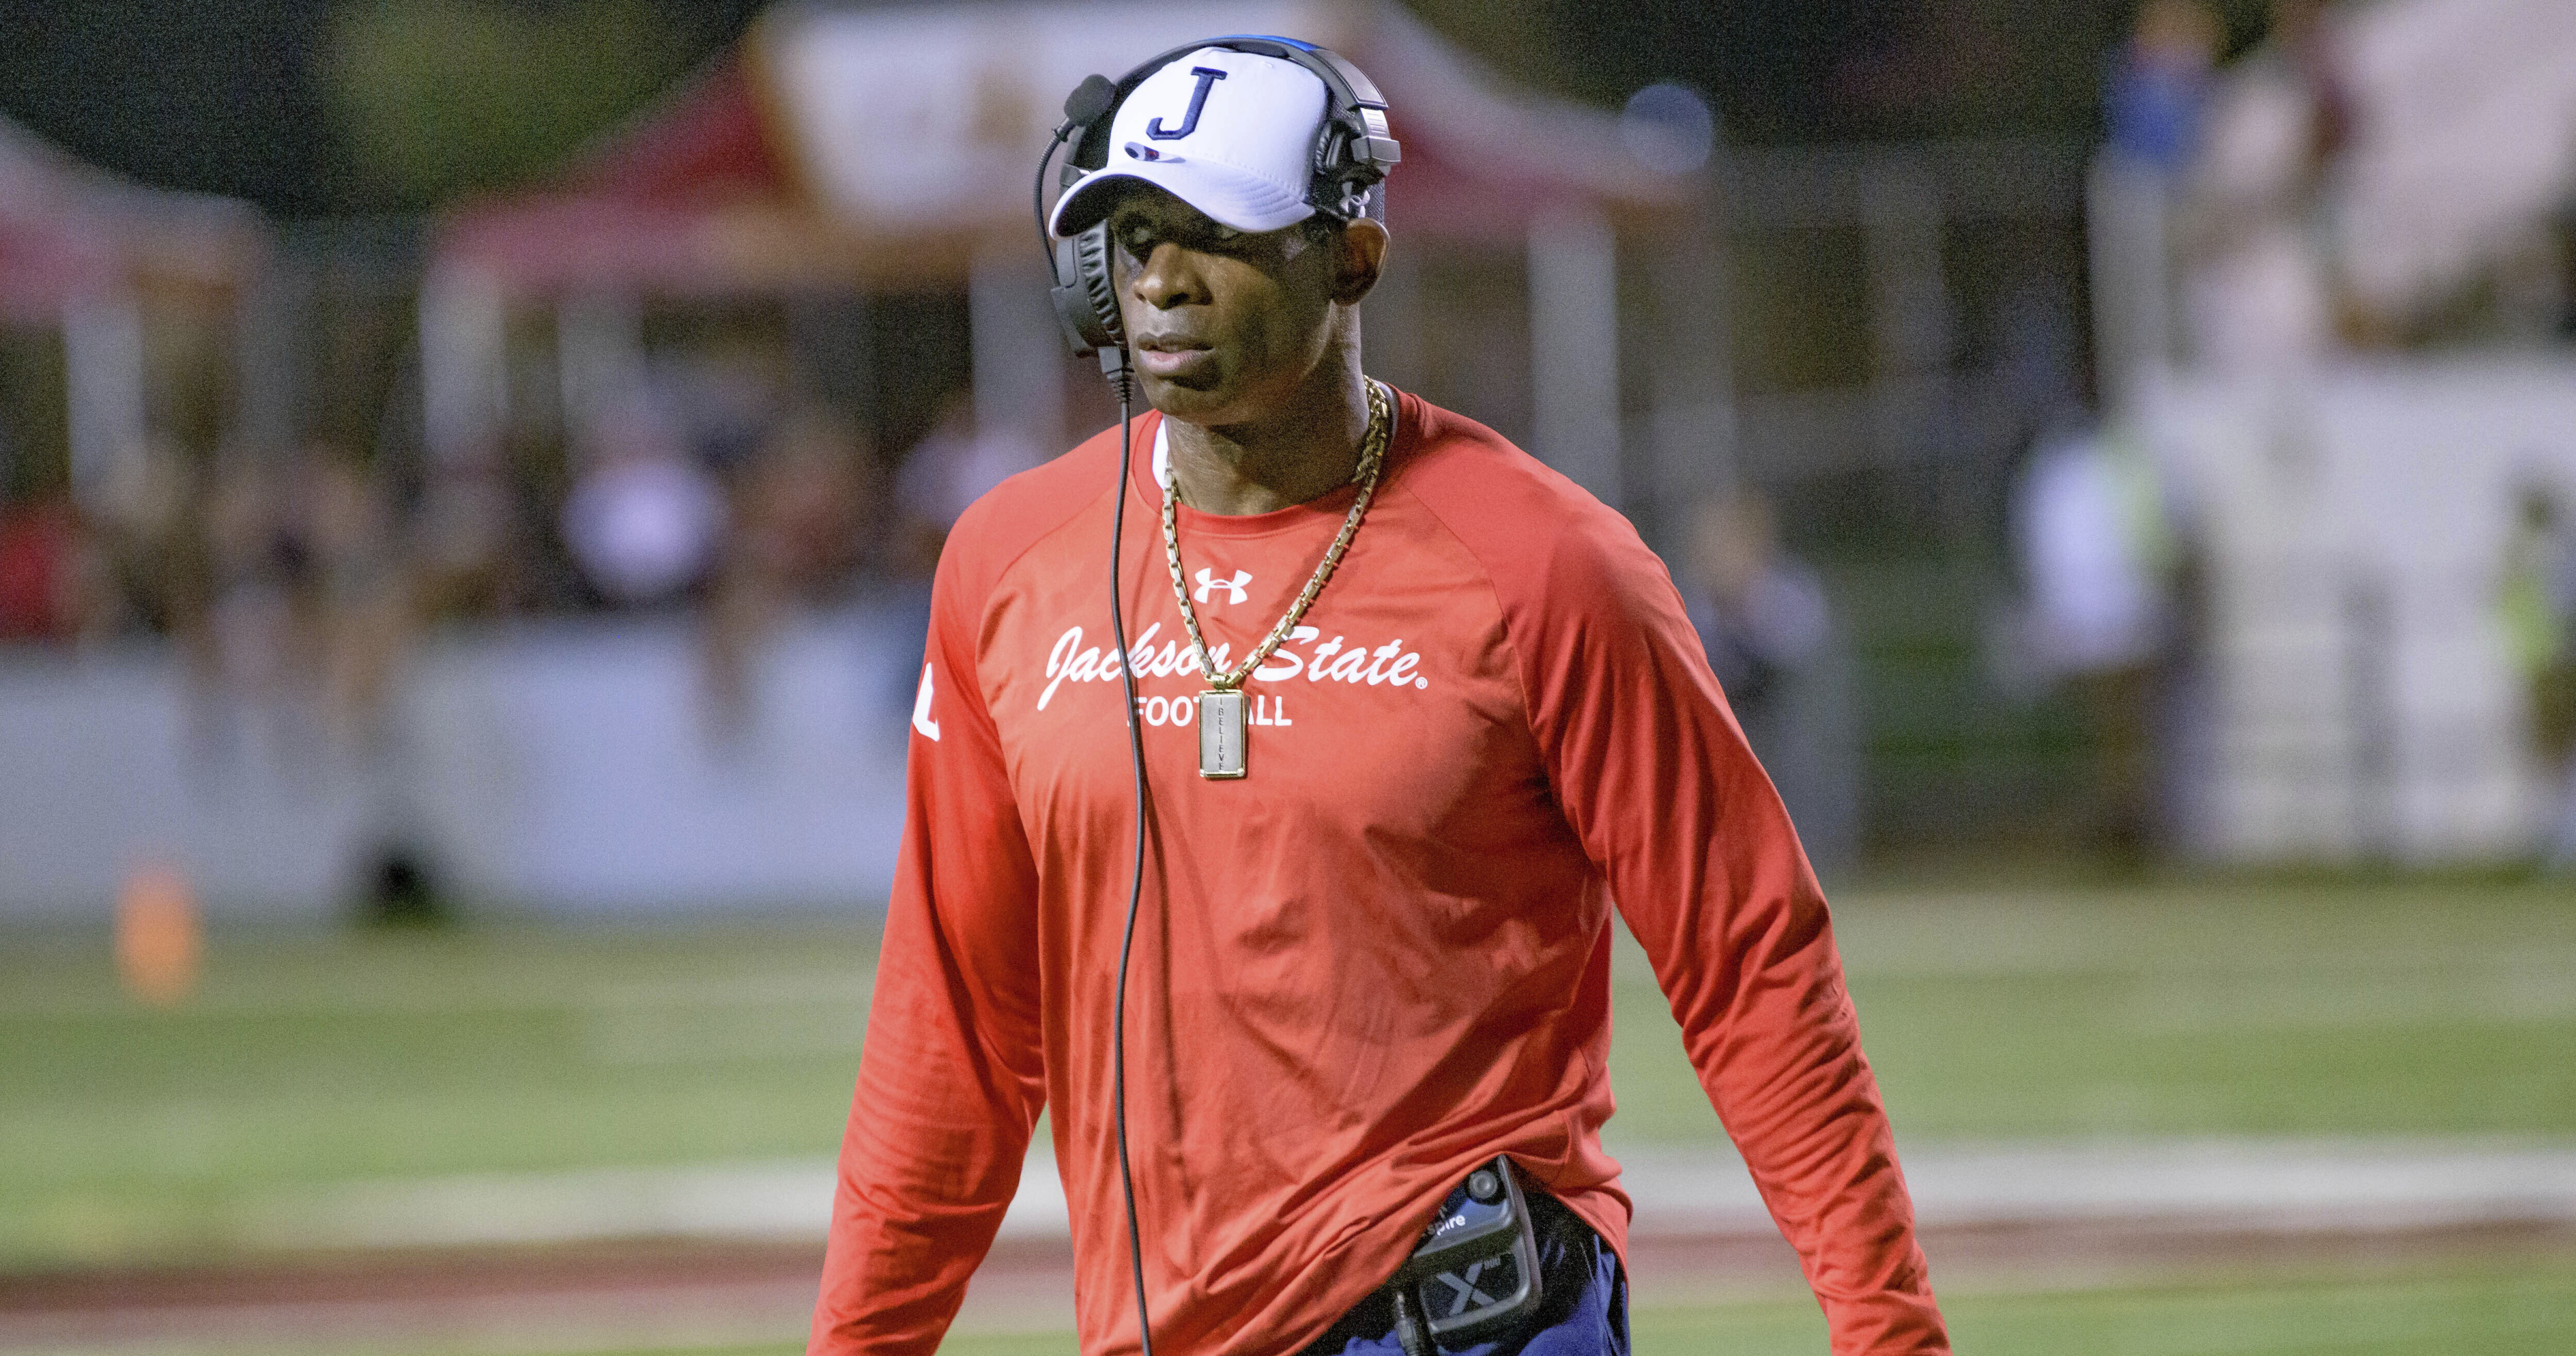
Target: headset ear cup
(1091, 259)
(1086, 299)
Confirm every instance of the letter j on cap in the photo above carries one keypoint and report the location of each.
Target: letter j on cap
(1198, 100)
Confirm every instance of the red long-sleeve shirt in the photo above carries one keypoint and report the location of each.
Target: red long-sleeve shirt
(1381, 958)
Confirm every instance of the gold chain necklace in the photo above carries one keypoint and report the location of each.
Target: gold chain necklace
(1222, 715)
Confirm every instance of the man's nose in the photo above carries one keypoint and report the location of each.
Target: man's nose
(1167, 278)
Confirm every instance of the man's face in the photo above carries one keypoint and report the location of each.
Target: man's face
(1225, 325)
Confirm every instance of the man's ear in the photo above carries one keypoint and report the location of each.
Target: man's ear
(1358, 259)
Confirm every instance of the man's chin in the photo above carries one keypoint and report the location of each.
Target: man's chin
(1188, 402)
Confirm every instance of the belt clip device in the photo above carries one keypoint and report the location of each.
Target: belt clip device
(1475, 1273)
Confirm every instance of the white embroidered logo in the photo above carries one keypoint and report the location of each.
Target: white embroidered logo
(1209, 583)
(1336, 661)
(921, 707)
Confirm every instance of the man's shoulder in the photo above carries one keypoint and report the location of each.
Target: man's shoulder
(1534, 530)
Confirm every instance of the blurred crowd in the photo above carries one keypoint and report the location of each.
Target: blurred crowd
(2536, 612)
(302, 576)
(2282, 190)
(2233, 224)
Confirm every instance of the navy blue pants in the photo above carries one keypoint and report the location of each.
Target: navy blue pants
(1582, 1310)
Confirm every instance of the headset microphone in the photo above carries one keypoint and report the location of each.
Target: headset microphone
(1093, 97)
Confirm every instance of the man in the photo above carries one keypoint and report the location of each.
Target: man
(1768, 628)
(1379, 959)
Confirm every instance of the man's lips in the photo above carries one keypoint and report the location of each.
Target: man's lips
(1168, 357)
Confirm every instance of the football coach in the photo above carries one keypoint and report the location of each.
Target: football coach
(1399, 716)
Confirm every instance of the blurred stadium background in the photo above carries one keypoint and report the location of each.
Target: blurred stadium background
(469, 471)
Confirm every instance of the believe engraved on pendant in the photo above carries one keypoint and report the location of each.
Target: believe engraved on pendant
(1221, 730)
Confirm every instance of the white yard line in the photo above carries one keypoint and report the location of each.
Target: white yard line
(773, 1201)
(2271, 1186)
(672, 1317)
(2283, 1186)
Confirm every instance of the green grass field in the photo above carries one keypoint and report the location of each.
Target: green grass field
(127, 1133)
(2206, 1010)
(2428, 1009)
(305, 1059)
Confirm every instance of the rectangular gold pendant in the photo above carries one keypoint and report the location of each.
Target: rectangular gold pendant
(1221, 730)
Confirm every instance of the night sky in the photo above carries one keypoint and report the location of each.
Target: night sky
(224, 95)
(217, 95)
(182, 93)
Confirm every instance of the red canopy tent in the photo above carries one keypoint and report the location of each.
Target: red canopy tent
(693, 198)
(68, 230)
(807, 151)
(92, 255)
(894, 147)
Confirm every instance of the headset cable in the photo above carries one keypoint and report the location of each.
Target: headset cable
(1125, 382)
(1086, 104)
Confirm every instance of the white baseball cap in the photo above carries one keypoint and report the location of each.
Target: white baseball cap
(1230, 133)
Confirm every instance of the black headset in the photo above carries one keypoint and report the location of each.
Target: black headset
(1348, 165)
(1347, 174)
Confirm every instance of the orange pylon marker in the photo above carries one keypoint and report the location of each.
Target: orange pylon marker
(159, 940)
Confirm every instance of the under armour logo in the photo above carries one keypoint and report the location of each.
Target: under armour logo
(1198, 100)
(1463, 1289)
(1209, 583)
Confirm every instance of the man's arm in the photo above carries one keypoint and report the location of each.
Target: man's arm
(951, 1079)
(1656, 779)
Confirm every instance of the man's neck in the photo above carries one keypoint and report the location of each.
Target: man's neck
(1305, 449)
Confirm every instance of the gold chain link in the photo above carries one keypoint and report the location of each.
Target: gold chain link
(1381, 430)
